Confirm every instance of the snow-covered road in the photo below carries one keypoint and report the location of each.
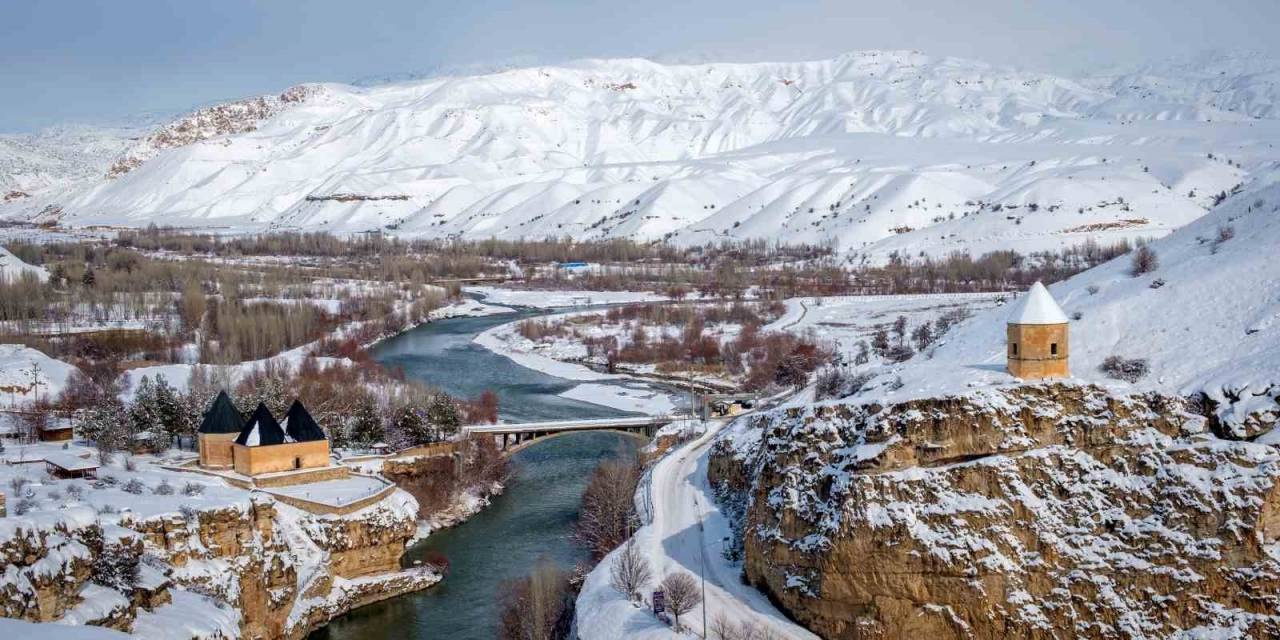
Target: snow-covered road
(685, 531)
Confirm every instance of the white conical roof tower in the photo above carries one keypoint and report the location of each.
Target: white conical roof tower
(1037, 307)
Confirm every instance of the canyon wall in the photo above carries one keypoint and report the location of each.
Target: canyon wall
(1039, 511)
(281, 571)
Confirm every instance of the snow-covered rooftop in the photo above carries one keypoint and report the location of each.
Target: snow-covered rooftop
(1037, 307)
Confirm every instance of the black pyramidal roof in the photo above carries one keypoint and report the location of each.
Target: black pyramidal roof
(269, 431)
(300, 426)
(222, 416)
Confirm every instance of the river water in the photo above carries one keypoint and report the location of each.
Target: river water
(534, 516)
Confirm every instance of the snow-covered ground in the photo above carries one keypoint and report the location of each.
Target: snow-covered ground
(848, 320)
(335, 492)
(558, 299)
(627, 397)
(26, 374)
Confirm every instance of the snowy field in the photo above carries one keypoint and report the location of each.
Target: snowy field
(334, 492)
(848, 320)
(553, 299)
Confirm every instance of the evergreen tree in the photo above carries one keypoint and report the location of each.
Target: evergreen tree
(365, 428)
(444, 417)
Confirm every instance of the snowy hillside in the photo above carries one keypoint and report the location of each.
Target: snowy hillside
(1207, 319)
(11, 268)
(876, 151)
(54, 159)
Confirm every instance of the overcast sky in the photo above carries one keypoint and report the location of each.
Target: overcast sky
(97, 60)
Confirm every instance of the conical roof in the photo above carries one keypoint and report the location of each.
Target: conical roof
(1037, 307)
(221, 416)
(299, 425)
(261, 429)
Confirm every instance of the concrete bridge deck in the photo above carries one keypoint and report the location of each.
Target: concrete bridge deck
(520, 432)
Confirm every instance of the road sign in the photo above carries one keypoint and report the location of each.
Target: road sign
(659, 601)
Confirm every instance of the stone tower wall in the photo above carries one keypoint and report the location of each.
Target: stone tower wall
(1035, 358)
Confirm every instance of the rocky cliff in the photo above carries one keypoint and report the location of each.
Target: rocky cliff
(267, 570)
(1043, 511)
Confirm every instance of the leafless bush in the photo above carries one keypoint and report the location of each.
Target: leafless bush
(192, 489)
(133, 486)
(1129, 370)
(76, 491)
(1225, 233)
(681, 591)
(629, 572)
(163, 489)
(1144, 261)
(839, 383)
(23, 506)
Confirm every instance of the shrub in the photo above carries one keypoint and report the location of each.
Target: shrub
(23, 506)
(1144, 261)
(1129, 370)
(76, 491)
(163, 489)
(192, 489)
(133, 486)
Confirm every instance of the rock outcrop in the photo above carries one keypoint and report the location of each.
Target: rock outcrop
(1044, 511)
(285, 572)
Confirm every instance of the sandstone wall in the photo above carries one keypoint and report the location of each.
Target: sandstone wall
(249, 556)
(1044, 511)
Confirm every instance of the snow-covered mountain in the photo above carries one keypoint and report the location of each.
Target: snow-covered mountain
(875, 151)
(58, 158)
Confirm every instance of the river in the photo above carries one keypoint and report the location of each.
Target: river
(534, 516)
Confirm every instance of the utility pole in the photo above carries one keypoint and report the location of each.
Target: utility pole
(702, 559)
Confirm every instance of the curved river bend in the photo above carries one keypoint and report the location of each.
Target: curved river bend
(532, 519)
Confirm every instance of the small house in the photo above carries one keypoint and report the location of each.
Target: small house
(66, 465)
(55, 431)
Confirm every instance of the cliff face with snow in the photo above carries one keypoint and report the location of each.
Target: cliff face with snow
(255, 570)
(1039, 511)
(876, 151)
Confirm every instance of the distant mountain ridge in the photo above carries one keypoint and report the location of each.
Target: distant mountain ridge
(877, 152)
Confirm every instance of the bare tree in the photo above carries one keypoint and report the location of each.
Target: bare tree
(537, 607)
(629, 571)
(682, 595)
(608, 514)
(1144, 261)
(722, 628)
